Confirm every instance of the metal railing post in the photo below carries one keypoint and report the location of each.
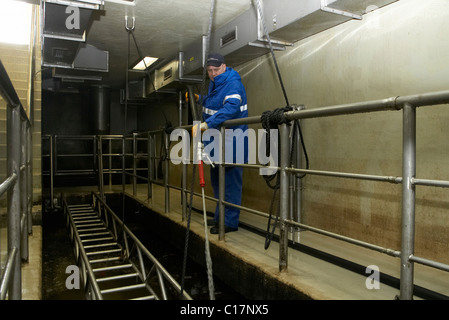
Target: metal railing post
(166, 175)
(100, 166)
(14, 203)
(284, 201)
(29, 179)
(134, 164)
(408, 201)
(221, 187)
(52, 173)
(23, 191)
(150, 165)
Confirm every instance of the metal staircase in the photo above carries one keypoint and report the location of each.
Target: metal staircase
(113, 262)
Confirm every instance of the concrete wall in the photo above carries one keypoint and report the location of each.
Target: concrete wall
(400, 49)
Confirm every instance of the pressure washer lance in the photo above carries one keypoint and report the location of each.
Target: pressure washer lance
(199, 159)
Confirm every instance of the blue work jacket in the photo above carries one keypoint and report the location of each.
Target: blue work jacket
(226, 100)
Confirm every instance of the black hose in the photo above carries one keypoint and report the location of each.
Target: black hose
(272, 119)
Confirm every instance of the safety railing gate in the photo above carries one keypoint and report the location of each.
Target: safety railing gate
(18, 186)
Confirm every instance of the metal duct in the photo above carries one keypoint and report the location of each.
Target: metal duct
(101, 108)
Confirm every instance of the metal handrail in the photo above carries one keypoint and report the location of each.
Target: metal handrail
(407, 105)
(8, 273)
(18, 186)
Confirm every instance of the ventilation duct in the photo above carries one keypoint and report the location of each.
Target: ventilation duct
(287, 21)
(243, 39)
(64, 47)
(292, 20)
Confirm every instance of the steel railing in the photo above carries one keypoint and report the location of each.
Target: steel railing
(290, 201)
(408, 105)
(18, 186)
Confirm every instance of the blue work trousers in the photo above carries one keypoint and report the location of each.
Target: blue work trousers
(233, 193)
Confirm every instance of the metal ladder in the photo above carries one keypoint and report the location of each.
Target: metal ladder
(115, 276)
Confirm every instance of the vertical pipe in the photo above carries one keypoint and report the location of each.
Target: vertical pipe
(167, 189)
(149, 165)
(13, 160)
(180, 106)
(100, 167)
(23, 191)
(193, 109)
(299, 154)
(29, 179)
(123, 174)
(52, 155)
(110, 163)
(221, 188)
(408, 201)
(134, 163)
(184, 181)
(291, 184)
(184, 165)
(298, 186)
(283, 194)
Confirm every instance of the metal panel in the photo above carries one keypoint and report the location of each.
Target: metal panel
(239, 40)
(91, 58)
(192, 59)
(167, 75)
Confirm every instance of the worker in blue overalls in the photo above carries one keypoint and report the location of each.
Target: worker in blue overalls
(226, 99)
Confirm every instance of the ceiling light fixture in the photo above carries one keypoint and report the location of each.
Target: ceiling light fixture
(144, 63)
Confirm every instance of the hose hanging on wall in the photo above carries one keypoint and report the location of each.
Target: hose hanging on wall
(271, 120)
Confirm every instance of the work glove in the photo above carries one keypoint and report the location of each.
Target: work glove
(196, 96)
(203, 126)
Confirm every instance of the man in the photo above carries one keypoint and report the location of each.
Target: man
(226, 99)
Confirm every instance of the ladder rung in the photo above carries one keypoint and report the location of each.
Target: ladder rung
(81, 212)
(105, 260)
(101, 245)
(97, 239)
(88, 230)
(119, 277)
(90, 225)
(85, 217)
(121, 266)
(94, 234)
(79, 223)
(125, 288)
(103, 252)
(145, 298)
(79, 206)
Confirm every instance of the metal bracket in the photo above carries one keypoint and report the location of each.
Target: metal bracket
(325, 8)
(87, 4)
(133, 25)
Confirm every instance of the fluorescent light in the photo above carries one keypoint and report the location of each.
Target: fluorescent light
(15, 22)
(145, 63)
